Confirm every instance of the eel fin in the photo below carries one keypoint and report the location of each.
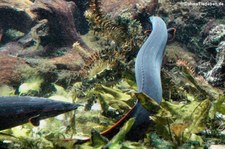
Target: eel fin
(171, 34)
(35, 121)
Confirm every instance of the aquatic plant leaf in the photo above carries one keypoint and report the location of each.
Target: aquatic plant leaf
(104, 104)
(107, 102)
(180, 111)
(124, 86)
(110, 97)
(98, 141)
(178, 128)
(177, 131)
(163, 119)
(5, 90)
(197, 122)
(120, 136)
(162, 116)
(189, 76)
(61, 94)
(130, 79)
(60, 90)
(199, 117)
(156, 142)
(185, 120)
(32, 84)
(217, 106)
(86, 121)
(147, 102)
(20, 132)
(117, 94)
(133, 145)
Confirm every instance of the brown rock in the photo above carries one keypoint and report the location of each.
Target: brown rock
(59, 14)
(24, 15)
(8, 69)
(16, 15)
(70, 61)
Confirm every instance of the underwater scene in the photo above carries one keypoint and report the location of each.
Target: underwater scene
(112, 74)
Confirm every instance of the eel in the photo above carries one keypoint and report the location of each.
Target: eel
(148, 79)
(18, 110)
(149, 60)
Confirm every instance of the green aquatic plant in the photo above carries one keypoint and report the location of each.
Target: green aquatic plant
(6, 90)
(113, 102)
(114, 98)
(116, 93)
(77, 47)
(180, 122)
(88, 120)
(120, 137)
(30, 85)
(97, 68)
(122, 32)
(183, 123)
(117, 142)
(97, 140)
(157, 142)
(103, 104)
(119, 40)
(217, 106)
(61, 94)
(118, 30)
(148, 103)
(197, 84)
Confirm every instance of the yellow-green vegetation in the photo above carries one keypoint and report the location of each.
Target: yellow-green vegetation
(98, 67)
(117, 142)
(61, 94)
(120, 137)
(103, 106)
(88, 120)
(6, 90)
(182, 122)
(49, 134)
(80, 50)
(31, 85)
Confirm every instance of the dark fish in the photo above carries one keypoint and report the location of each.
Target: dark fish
(17, 110)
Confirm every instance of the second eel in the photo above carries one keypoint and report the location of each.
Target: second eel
(148, 79)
